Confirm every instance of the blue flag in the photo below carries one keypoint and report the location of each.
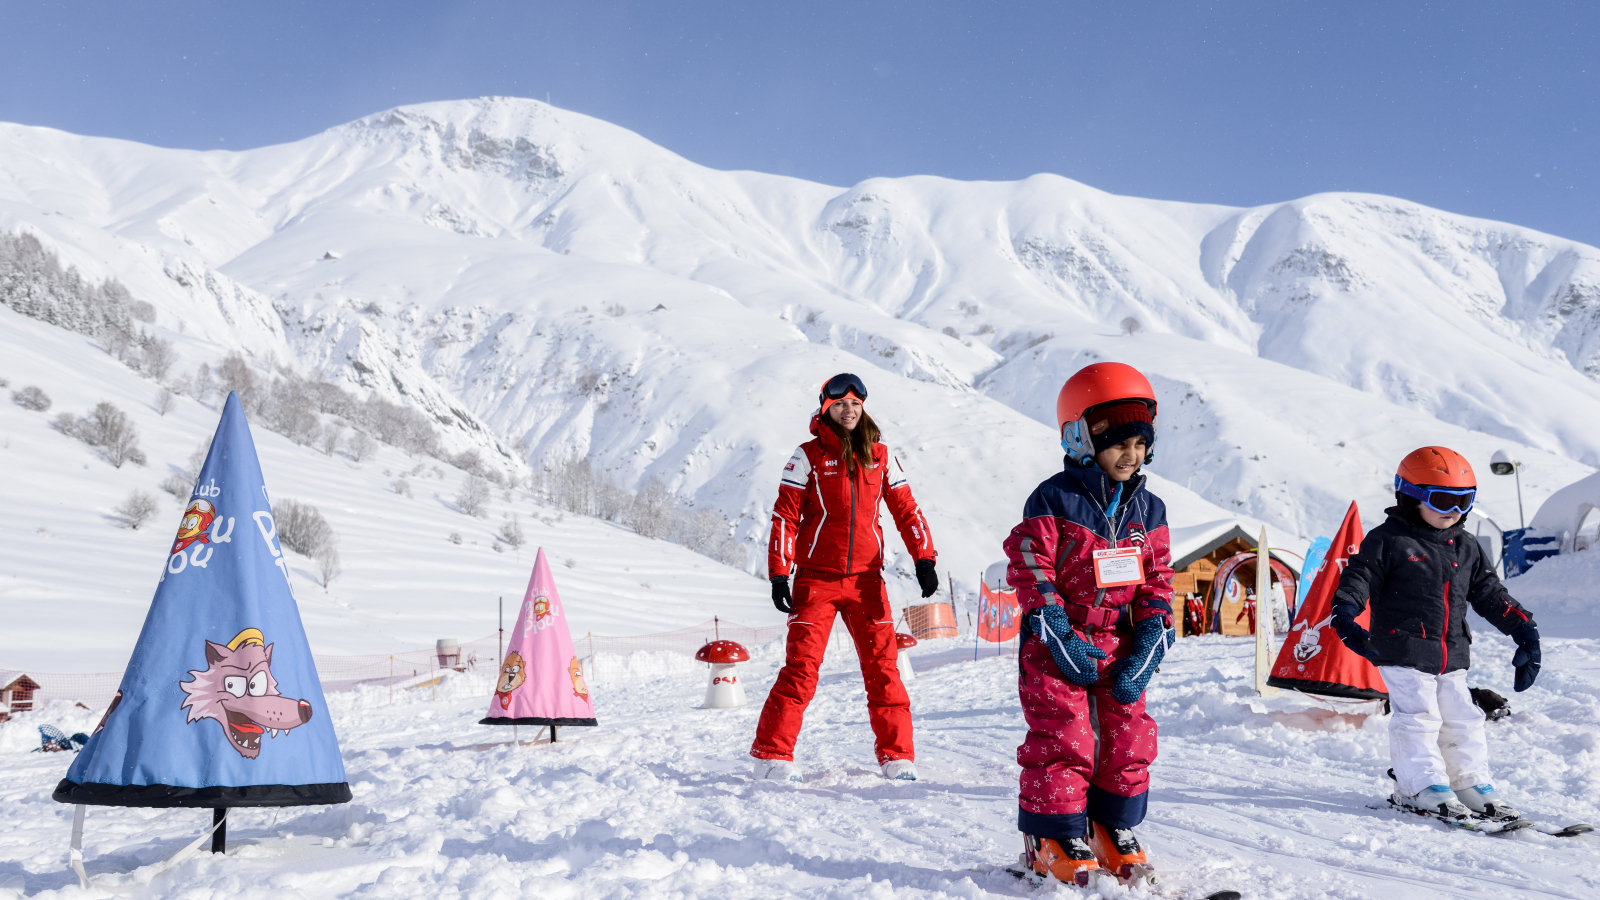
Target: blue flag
(1316, 554)
(220, 705)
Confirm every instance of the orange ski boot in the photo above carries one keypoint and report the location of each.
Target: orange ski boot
(1070, 861)
(1118, 852)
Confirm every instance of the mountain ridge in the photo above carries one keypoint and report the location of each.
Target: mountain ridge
(546, 285)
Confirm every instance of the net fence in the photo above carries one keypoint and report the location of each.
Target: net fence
(606, 659)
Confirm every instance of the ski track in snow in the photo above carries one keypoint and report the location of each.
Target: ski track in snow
(1268, 796)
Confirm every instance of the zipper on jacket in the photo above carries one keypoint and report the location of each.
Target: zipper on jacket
(1444, 647)
(850, 551)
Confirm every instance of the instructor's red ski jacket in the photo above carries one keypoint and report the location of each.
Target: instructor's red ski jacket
(826, 518)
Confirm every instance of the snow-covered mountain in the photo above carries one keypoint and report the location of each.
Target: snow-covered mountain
(546, 286)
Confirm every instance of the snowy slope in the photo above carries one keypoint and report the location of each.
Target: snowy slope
(1269, 797)
(77, 583)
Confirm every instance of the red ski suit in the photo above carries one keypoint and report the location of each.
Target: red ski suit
(1075, 768)
(825, 525)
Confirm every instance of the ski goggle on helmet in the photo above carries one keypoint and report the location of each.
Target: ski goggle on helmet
(1439, 477)
(839, 387)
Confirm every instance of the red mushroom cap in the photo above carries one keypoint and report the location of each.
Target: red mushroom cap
(722, 653)
(903, 640)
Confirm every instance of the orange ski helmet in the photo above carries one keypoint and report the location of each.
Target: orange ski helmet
(1093, 386)
(1439, 478)
(1437, 467)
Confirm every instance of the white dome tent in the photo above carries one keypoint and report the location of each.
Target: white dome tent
(1573, 513)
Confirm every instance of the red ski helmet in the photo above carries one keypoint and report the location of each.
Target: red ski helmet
(1437, 467)
(1093, 386)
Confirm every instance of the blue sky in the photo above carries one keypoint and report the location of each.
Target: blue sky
(1483, 108)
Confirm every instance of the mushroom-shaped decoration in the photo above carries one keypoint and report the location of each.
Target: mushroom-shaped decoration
(904, 642)
(724, 690)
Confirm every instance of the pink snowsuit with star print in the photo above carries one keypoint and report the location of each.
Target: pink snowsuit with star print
(1086, 755)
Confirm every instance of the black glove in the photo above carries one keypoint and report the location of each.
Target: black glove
(780, 594)
(1355, 638)
(927, 577)
(1526, 659)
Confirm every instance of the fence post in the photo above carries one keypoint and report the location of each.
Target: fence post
(952, 582)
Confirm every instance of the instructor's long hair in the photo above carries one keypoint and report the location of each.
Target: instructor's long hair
(858, 443)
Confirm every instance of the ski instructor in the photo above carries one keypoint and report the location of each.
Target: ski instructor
(825, 528)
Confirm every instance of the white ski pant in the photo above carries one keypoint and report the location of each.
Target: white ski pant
(1435, 732)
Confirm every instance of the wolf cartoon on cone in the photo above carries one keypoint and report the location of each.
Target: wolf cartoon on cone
(540, 681)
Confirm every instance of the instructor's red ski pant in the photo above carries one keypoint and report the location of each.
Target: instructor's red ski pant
(864, 602)
(1086, 755)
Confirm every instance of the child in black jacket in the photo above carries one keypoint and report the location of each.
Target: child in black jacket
(1421, 571)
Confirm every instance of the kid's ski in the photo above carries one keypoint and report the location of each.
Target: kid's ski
(1507, 825)
(1034, 879)
(1569, 831)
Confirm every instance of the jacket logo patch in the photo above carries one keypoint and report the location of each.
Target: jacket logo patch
(1136, 533)
(1415, 558)
(789, 467)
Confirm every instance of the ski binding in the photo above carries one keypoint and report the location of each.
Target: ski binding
(1479, 824)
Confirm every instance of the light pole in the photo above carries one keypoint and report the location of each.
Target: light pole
(1502, 463)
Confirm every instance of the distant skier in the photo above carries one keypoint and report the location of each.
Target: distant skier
(1091, 563)
(825, 528)
(1422, 571)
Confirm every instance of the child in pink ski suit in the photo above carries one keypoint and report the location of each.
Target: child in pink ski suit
(1093, 634)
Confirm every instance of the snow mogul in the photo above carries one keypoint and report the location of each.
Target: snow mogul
(1091, 564)
(1422, 571)
(825, 528)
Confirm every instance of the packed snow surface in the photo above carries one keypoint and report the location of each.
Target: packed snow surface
(1271, 797)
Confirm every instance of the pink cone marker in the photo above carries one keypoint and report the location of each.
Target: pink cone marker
(540, 682)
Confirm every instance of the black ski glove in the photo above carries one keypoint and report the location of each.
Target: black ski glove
(1526, 659)
(927, 577)
(1355, 638)
(780, 594)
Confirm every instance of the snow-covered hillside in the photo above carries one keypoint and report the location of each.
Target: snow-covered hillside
(575, 289)
(546, 286)
(78, 582)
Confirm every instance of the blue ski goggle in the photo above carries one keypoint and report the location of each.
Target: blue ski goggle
(1443, 501)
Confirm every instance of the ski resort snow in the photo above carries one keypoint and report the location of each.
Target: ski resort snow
(465, 331)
